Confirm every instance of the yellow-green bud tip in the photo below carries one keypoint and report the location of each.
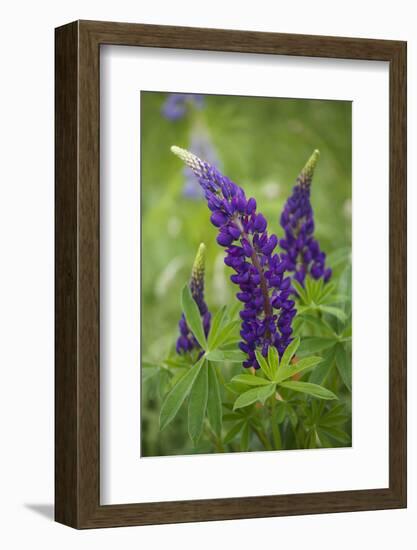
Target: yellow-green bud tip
(199, 263)
(308, 170)
(188, 158)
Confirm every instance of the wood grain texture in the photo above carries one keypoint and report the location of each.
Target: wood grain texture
(78, 286)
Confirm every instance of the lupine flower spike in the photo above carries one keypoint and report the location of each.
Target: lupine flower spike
(259, 272)
(186, 341)
(302, 252)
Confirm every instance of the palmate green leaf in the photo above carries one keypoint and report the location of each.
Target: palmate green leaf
(252, 396)
(301, 366)
(311, 389)
(344, 365)
(192, 316)
(289, 353)
(197, 404)
(176, 397)
(251, 380)
(233, 356)
(263, 363)
(214, 403)
(312, 344)
(216, 325)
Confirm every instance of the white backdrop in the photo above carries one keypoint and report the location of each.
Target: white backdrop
(26, 299)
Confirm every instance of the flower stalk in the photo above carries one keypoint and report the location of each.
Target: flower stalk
(264, 290)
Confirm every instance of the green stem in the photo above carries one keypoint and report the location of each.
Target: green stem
(216, 441)
(276, 434)
(262, 438)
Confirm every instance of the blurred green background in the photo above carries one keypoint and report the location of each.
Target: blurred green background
(262, 144)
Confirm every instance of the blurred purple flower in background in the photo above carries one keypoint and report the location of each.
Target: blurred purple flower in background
(175, 106)
(259, 272)
(302, 252)
(186, 341)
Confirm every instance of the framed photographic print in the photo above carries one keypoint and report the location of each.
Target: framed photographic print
(230, 274)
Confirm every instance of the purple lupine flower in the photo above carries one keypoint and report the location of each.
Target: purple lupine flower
(175, 106)
(202, 147)
(186, 340)
(265, 292)
(302, 251)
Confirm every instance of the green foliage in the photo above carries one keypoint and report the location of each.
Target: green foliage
(178, 394)
(197, 404)
(192, 316)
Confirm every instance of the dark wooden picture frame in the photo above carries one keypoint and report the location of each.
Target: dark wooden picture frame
(77, 372)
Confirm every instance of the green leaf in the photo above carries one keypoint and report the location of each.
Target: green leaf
(232, 311)
(224, 334)
(182, 363)
(308, 285)
(335, 311)
(273, 359)
(319, 374)
(327, 291)
(251, 380)
(289, 352)
(176, 397)
(232, 433)
(197, 405)
(244, 438)
(302, 365)
(334, 299)
(338, 256)
(340, 435)
(317, 323)
(312, 344)
(149, 365)
(292, 415)
(280, 412)
(256, 394)
(192, 316)
(149, 373)
(300, 290)
(344, 366)
(214, 403)
(311, 389)
(263, 363)
(216, 325)
(235, 387)
(232, 356)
